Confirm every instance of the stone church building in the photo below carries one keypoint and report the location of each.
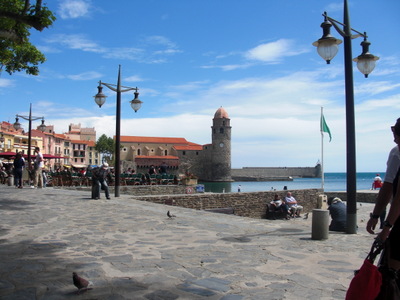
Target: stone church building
(209, 162)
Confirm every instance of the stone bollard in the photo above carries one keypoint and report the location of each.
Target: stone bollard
(322, 201)
(320, 224)
(10, 181)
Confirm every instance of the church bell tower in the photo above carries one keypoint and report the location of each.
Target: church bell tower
(221, 147)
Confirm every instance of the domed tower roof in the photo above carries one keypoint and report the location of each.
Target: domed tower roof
(221, 114)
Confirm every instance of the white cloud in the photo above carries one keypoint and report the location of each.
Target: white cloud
(76, 42)
(155, 49)
(72, 9)
(376, 87)
(4, 83)
(125, 53)
(274, 52)
(85, 76)
(134, 78)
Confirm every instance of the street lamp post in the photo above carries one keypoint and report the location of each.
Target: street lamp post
(327, 49)
(100, 99)
(29, 118)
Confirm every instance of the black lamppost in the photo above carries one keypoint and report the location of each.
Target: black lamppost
(29, 118)
(327, 49)
(100, 99)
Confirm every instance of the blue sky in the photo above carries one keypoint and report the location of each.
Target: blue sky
(189, 57)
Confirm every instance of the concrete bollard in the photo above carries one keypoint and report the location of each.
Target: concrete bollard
(322, 201)
(320, 224)
(10, 181)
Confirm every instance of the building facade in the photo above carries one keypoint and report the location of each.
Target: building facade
(74, 148)
(210, 162)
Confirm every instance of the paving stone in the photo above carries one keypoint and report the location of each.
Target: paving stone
(131, 250)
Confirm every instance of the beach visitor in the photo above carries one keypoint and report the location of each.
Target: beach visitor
(152, 170)
(44, 174)
(277, 205)
(99, 176)
(337, 210)
(377, 184)
(19, 164)
(37, 168)
(388, 191)
(239, 188)
(293, 208)
(163, 169)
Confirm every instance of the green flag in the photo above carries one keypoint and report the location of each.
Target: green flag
(324, 127)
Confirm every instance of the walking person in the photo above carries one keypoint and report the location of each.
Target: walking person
(99, 176)
(388, 192)
(38, 166)
(19, 164)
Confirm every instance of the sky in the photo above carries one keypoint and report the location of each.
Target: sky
(189, 57)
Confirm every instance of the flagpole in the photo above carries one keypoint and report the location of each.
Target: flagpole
(322, 153)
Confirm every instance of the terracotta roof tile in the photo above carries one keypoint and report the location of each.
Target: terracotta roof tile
(154, 140)
(166, 157)
(221, 114)
(79, 142)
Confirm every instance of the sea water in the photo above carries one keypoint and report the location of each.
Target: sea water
(332, 182)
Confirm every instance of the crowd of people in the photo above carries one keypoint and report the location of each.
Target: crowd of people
(37, 174)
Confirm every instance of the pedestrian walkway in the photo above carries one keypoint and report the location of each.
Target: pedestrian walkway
(131, 250)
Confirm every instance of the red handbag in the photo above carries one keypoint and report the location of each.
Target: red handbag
(367, 281)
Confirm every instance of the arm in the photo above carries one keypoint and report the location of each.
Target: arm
(384, 196)
(392, 216)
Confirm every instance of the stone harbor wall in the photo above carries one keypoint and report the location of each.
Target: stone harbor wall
(246, 204)
(252, 204)
(278, 173)
(366, 197)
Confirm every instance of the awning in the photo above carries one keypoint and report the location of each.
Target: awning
(79, 166)
(8, 154)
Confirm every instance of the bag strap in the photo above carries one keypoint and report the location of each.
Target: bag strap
(376, 249)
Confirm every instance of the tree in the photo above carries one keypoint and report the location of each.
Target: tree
(17, 17)
(106, 146)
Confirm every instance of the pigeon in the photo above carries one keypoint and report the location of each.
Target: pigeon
(169, 215)
(81, 283)
(305, 216)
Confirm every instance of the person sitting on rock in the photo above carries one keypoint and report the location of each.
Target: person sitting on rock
(277, 205)
(293, 208)
(337, 210)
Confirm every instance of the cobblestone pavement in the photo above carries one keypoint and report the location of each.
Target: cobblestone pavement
(132, 250)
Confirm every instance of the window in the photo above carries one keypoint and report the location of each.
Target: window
(183, 152)
(221, 130)
(138, 151)
(165, 152)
